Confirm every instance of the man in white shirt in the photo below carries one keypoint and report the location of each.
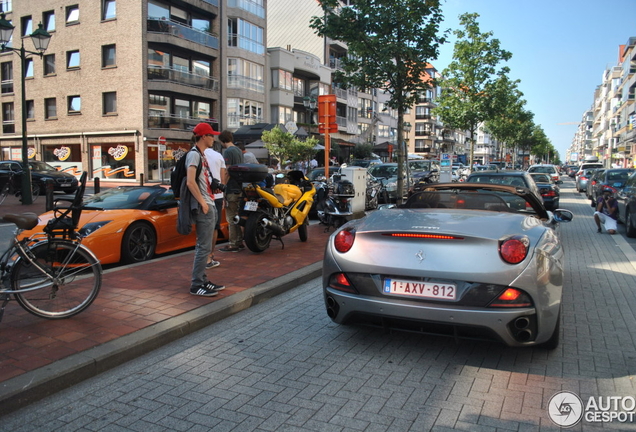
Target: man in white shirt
(219, 172)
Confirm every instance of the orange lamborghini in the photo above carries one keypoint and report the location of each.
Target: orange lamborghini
(131, 224)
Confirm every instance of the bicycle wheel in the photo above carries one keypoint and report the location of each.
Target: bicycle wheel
(4, 192)
(72, 283)
(35, 191)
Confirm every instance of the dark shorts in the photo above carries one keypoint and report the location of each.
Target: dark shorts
(218, 203)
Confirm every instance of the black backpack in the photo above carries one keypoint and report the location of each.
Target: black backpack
(180, 172)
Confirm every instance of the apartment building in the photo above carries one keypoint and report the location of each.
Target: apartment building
(625, 115)
(123, 82)
(288, 26)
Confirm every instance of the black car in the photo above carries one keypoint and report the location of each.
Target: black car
(40, 172)
(510, 178)
(549, 190)
(627, 205)
(613, 179)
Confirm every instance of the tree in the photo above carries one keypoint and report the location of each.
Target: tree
(362, 151)
(390, 44)
(470, 83)
(286, 147)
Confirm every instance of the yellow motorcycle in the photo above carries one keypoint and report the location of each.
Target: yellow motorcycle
(272, 212)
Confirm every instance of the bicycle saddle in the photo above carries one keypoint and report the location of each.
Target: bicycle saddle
(24, 221)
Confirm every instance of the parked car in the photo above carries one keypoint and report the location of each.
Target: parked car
(626, 198)
(397, 267)
(40, 172)
(613, 179)
(586, 165)
(571, 170)
(582, 180)
(594, 178)
(130, 224)
(428, 168)
(549, 190)
(365, 163)
(389, 172)
(511, 178)
(549, 169)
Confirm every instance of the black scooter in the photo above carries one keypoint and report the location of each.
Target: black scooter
(334, 202)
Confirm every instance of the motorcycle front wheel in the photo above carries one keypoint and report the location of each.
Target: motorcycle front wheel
(302, 230)
(257, 237)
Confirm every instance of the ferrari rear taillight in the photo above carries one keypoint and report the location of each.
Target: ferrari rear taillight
(512, 297)
(343, 241)
(514, 249)
(340, 282)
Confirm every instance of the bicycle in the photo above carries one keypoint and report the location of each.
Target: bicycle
(50, 274)
(13, 185)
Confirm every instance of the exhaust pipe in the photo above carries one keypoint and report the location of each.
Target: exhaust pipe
(524, 335)
(522, 323)
(277, 229)
(332, 308)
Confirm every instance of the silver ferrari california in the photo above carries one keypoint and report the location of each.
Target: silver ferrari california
(467, 260)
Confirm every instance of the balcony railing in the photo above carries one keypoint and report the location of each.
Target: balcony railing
(422, 116)
(160, 25)
(181, 77)
(335, 63)
(247, 5)
(422, 133)
(164, 121)
(243, 82)
(341, 121)
(238, 120)
(212, 2)
(340, 93)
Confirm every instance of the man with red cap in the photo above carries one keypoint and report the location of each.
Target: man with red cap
(205, 218)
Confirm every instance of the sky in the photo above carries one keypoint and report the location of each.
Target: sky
(560, 49)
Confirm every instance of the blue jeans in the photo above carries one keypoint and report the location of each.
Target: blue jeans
(205, 228)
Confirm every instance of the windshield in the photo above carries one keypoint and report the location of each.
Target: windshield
(421, 165)
(470, 200)
(40, 166)
(502, 179)
(540, 178)
(384, 171)
(542, 169)
(127, 197)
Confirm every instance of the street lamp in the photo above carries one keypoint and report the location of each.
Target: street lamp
(41, 39)
(310, 104)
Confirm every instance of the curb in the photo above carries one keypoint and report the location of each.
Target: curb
(35, 385)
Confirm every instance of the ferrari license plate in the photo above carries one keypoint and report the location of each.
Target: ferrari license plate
(251, 206)
(429, 289)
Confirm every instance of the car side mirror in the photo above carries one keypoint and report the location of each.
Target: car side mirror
(559, 182)
(561, 215)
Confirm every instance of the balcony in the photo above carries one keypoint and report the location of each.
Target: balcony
(243, 82)
(421, 133)
(341, 122)
(164, 121)
(335, 63)
(422, 116)
(248, 6)
(182, 31)
(182, 77)
(340, 93)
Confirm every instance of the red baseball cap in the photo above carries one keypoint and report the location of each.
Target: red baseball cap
(204, 129)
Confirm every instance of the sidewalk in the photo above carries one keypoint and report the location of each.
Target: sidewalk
(140, 307)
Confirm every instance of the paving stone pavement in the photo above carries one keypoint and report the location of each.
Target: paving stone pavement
(284, 366)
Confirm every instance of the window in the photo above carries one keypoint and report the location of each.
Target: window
(110, 103)
(6, 77)
(50, 109)
(74, 105)
(48, 21)
(72, 59)
(108, 56)
(72, 15)
(246, 35)
(5, 6)
(30, 109)
(28, 68)
(108, 10)
(8, 118)
(49, 64)
(27, 26)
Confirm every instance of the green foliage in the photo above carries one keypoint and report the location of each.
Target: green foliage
(362, 151)
(472, 83)
(286, 147)
(389, 43)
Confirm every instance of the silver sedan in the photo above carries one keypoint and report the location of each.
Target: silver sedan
(465, 260)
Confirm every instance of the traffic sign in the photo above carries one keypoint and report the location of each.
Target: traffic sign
(445, 156)
(161, 140)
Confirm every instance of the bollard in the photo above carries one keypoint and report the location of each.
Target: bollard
(49, 187)
(141, 179)
(96, 185)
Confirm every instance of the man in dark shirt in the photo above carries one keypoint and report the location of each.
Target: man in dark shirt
(233, 156)
(606, 212)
